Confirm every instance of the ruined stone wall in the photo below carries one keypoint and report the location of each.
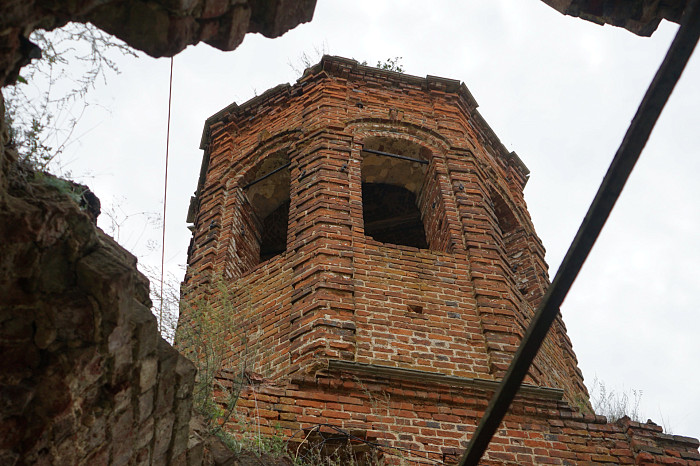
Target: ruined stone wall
(641, 17)
(85, 377)
(157, 27)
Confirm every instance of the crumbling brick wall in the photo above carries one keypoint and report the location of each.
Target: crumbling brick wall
(641, 17)
(157, 27)
(398, 340)
(414, 421)
(85, 376)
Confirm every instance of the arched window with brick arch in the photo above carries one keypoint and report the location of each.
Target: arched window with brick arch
(511, 236)
(265, 208)
(401, 201)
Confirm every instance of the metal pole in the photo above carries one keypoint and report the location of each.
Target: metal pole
(267, 175)
(627, 155)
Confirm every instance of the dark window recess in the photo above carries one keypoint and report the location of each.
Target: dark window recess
(273, 238)
(392, 216)
(514, 245)
(506, 220)
(266, 189)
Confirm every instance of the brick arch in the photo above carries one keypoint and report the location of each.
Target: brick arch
(259, 211)
(509, 235)
(400, 129)
(266, 184)
(247, 159)
(425, 181)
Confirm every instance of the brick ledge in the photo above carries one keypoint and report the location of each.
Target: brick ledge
(378, 370)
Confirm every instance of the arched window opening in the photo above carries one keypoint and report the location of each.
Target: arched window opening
(267, 190)
(514, 243)
(395, 187)
(506, 220)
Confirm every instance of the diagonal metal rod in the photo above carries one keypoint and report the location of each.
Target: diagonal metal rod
(627, 155)
(396, 156)
(267, 175)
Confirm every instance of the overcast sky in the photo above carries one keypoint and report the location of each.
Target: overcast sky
(557, 90)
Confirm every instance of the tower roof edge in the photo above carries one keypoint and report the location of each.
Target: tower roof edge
(349, 68)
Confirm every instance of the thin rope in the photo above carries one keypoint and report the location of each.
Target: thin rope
(165, 198)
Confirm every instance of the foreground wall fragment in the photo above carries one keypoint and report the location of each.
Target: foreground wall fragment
(85, 377)
(641, 17)
(157, 27)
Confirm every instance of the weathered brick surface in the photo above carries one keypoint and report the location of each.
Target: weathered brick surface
(158, 27)
(345, 294)
(436, 422)
(337, 295)
(85, 378)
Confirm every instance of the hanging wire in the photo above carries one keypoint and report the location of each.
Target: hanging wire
(165, 199)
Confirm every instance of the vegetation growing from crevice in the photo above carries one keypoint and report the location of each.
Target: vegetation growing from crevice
(617, 404)
(308, 59)
(204, 336)
(46, 103)
(614, 404)
(391, 64)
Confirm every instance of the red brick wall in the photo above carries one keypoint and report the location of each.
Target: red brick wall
(411, 315)
(435, 422)
(322, 123)
(458, 308)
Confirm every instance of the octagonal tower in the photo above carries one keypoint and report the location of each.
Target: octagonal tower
(370, 232)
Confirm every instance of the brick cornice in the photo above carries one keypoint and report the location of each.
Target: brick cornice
(348, 69)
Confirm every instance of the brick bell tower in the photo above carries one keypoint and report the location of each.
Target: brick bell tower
(381, 266)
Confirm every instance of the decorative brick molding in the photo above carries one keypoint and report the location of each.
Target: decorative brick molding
(390, 372)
